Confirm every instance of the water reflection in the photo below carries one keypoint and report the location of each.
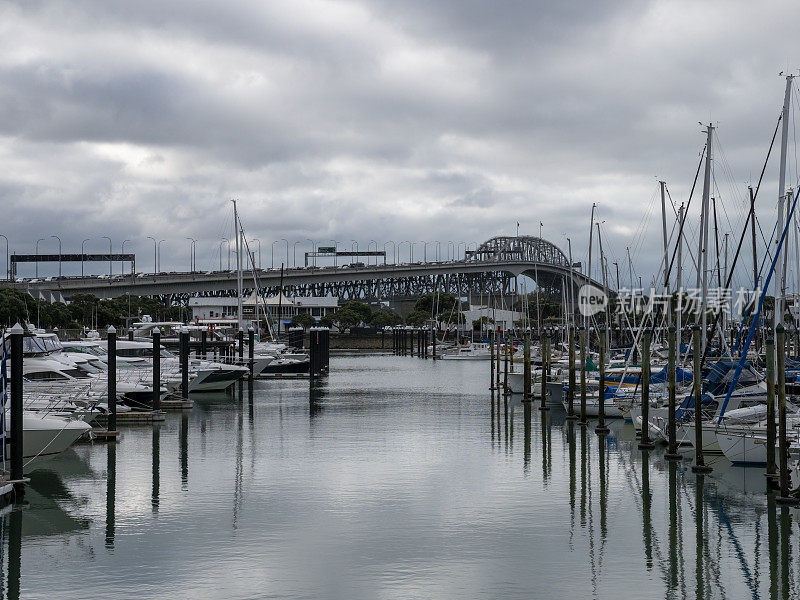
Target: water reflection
(111, 493)
(362, 496)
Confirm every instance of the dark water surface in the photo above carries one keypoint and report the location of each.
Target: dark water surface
(401, 480)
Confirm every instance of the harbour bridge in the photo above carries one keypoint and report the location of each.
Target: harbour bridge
(489, 271)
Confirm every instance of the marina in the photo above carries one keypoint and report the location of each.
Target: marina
(431, 488)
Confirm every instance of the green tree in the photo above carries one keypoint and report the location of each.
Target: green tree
(384, 318)
(345, 318)
(303, 320)
(480, 324)
(444, 302)
(364, 311)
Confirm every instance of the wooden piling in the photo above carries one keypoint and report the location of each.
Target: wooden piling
(491, 361)
(571, 385)
(15, 407)
(645, 443)
(505, 364)
(786, 496)
(772, 469)
(203, 344)
(672, 446)
(699, 465)
(156, 369)
(112, 379)
(526, 368)
(602, 428)
(251, 342)
(582, 335)
(183, 354)
(543, 384)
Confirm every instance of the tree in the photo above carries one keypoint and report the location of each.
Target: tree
(345, 318)
(444, 303)
(418, 317)
(364, 311)
(480, 324)
(384, 318)
(303, 320)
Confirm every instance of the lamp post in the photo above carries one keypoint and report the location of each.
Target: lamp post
(335, 250)
(369, 245)
(8, 273)
(287, 250)
(59, 254)
(37, 260)
(110, 252)
(83, 253)
(400, 245)
(449, 244)
(155, 254)
(191, 253)
(228, 242)
(313, 252)
(438, 251)
(259, 252)
(159, 255)
(458, 247)
(294, 252)
(272, 255)
(394, 251)
(123, 260)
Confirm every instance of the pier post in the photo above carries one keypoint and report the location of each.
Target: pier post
(497, 366)
(526, 368)
(156, 369)
(313, 352)
(433, 340)
(699, 465)
(112, 379)
(601, 390)
(571, 383)
(505, 364)
(491, 361)
(582, 335)
(183, 354)
(786, 497)
(16, 407)
(645, 443)
(130, 335)
(545, 368)
(203, 344)
(672, 448)
(251, 342)
(772, 470)
(240, 343)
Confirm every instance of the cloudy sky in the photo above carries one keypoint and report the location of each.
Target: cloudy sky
(376, 120)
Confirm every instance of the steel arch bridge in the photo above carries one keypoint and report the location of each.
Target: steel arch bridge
(489, 271)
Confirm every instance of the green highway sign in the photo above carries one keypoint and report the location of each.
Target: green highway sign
(326, 249)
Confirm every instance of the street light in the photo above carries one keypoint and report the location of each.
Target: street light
(59, 254)
(8, 273)
(335, 250)
(287, 250)
(155, 254)
(259, 252)
(83, 253)
(159, 254)
(313, 253)
(394, 251)
(122, 263)
(110, 252)
(458, 246)
(227, 241)
(376, 250)
(37, 261)
(451, 243)
(294, 253)
(191, 254)
(272, 255)
(400, 246)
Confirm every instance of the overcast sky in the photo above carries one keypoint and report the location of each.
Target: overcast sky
(380, 120)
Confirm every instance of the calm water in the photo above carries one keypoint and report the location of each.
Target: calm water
(402, 480)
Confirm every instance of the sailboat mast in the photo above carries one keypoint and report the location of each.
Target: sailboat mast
(239, 286)
(780, 278)
(704, 237)
(678, 285)
(663, 185)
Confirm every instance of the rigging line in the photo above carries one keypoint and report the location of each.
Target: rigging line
(750, 214)
(686, 212)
